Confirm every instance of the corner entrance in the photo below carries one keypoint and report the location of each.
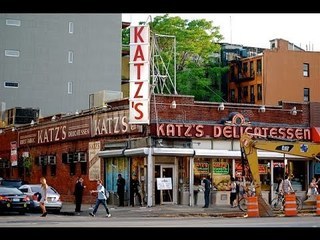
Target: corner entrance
(166, 173)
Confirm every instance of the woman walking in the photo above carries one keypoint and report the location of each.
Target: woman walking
(43, 199)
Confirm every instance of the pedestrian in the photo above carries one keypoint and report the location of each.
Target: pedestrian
(313, 187)
(43, 199)
(285, 186)
(121, 182)
(207, 185)
(233, 193)
(101, 199)
(279, 184)
(78, 193)
(135, 190)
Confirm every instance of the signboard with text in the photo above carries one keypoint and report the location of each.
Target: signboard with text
(94, 161)
(13, 153)
(139, 86)
(164, 183)
(57, 132)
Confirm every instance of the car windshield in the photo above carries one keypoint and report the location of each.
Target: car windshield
(38, 189)
(11, 183)
(8, 191)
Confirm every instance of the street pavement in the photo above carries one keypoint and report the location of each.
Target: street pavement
(169, 211)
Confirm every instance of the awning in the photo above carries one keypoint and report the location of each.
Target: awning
(173, 151)
(111, 153)
(205, 153)
(237, 154)
(136, 151)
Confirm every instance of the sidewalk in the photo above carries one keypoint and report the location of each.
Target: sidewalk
(156, 211)
(169, 211)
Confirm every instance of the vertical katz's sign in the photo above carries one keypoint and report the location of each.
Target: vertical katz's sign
(139, 74)
(14, 154)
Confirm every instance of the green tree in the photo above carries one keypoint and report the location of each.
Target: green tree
(196, 42)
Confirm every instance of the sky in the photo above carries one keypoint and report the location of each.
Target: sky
(255, 30)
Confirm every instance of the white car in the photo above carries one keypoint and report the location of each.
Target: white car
(53, 197)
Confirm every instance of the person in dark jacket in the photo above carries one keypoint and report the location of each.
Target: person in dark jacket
(121, 182)
(207, 186)
(135, 190)
(78, 192)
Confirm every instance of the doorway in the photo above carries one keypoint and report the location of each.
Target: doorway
(165, 196)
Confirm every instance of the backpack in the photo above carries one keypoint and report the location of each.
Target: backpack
(107, 194)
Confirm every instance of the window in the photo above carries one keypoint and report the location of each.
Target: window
(11, 84)
(306, 69)
(70, 57)
(252, 97)
(12, 53)
(259, 67)
(245, 91)
(239, 94)
(232, 95)
(245, 67)
(251, 69)
(306, 95)
(259, 89)
(71, 27)
(232, 73)
(13, 22)
(70, 87)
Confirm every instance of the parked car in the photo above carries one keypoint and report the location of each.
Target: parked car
(33, 191)
(15, 183)
(13, 200)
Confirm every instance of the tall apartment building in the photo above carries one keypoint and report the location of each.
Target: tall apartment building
(285, 72)
(53, 62)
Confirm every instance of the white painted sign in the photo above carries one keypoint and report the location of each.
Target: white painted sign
(164, 183)
(139, 98)
(94, 161)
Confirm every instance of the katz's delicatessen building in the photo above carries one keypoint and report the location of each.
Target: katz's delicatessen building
(195, 139)
(169, 156)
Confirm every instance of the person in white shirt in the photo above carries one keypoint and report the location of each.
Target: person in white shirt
(101, 198)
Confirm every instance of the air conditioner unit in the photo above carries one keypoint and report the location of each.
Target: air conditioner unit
(70, 158)
(52, 160)
(100, 98)
(82, 157)
(43, 160)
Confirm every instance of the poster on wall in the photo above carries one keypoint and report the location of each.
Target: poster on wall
(220, 167)
(94, 161)
(201, 168)
(164, 183)
(13, 154)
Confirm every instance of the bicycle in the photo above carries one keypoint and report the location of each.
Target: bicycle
(242, 202)
(278, 202)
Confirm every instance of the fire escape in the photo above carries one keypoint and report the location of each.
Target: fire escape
(239, 75)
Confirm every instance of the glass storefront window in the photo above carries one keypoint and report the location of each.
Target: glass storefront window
(221, 173)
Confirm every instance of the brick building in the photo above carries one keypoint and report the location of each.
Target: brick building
(183, 142)
(262, 78)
